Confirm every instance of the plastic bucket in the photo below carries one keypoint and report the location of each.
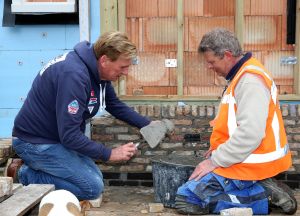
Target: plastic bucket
(169, 173)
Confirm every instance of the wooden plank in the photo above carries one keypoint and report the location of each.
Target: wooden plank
(297, 52)
(121, 85)
(84, 20)
(239, 21)
(24, 199)
(180, 46)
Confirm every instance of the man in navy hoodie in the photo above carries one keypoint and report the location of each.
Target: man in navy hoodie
(48, 133)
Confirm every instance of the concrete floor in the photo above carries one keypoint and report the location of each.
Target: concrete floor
(129, 201)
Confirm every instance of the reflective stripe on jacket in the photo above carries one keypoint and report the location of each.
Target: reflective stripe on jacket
(273, 155)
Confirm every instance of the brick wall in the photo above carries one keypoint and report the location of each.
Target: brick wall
(190, 121)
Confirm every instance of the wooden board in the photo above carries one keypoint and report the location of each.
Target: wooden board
(24, 199)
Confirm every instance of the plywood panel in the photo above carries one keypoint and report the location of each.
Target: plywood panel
(267, 7)
(193, 8)
(141, 8)
(198, 26)
(160, 34)
(218, 7)
(262, 33)
(167, 8)
(282, 74)
(160, 90)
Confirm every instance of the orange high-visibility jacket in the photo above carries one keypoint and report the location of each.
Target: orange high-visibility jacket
(273, 155)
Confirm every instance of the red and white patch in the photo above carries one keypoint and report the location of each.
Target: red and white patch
(73, 107)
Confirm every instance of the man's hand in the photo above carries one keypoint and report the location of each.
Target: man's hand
(202, 169)
(123, 152)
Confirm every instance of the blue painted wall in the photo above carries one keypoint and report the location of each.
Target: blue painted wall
(24, 49)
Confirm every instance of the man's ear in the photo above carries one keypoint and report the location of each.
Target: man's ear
(103, 61)
(228, 54)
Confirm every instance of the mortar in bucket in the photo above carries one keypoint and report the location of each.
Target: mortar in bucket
(169, 173)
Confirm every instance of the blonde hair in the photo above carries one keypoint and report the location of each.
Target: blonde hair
(114, 44)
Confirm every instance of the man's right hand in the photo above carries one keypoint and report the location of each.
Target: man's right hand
(123, 152)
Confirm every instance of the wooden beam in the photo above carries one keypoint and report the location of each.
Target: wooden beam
(122, 28)
(239, 21)
(297, 51)
(84, 20)
(180, 44)
(108, 15)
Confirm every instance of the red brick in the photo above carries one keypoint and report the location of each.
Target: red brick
(218, 8)
(262, 33)
(167, 8)
(141, 8)
(282, 74)
(267, 7)
(198, 26)
(193, 8)
(160, 34)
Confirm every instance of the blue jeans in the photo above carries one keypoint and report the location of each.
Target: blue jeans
(220, 193)
(55, 164)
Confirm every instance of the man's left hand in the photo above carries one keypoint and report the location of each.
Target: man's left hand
(202, 169)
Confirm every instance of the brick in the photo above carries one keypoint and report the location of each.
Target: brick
(201, 123)
(218, 8)
(172, 110)
(267, 7)
(127, 137)
(133, 29)
(160, 34)
(167, 8)
(119, 122)
(262, 37)
(179, 110)
(102, 138)
(198, 26)
(140, 160)
(284, 110)
(298, 109)
(289, 122)
(110, 130)
(150, 71)
(183, 153)
(182, 122)
(164, 111)
(193, 8)
(176, 138)
(170, 145)
(186, 110)
(143, 110)
(141, 8)
(202, 111)
(156, 111)
(150, 110)
(194, 110)
(296, 138)
(152, 153)
(282, 74)
(102, 121)
(293, 130)
(210, 110)
(156, 207)
(293, 111)
(132, 168)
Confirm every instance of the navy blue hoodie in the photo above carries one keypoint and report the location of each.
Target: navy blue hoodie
(63, 96)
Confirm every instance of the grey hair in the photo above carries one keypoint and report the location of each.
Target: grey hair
(220, 40)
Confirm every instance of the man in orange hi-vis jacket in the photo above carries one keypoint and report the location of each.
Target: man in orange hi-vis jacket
(248, 145)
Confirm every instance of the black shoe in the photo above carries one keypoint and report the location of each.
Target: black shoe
(280, 195)
(186, 208)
